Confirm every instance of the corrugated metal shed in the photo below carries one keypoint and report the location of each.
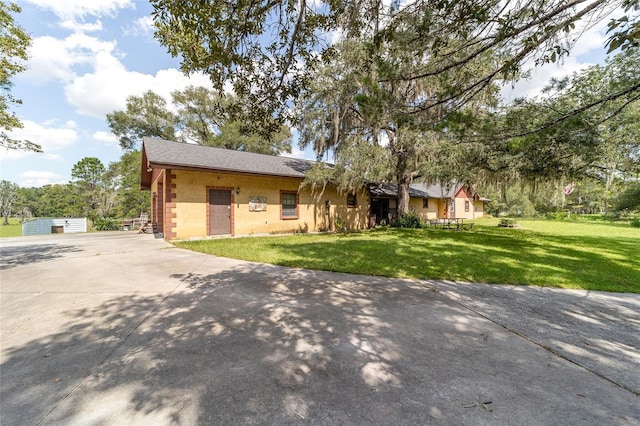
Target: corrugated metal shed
(66, 225)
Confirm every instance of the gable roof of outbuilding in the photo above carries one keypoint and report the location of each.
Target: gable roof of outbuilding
(160, 153)
(420, 190)
(417, 190)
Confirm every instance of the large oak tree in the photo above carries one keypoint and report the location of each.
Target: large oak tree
(424, 65)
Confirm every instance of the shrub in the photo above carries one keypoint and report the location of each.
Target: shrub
(635, 222)
(105, 224)
(521, 207)
(409, 220)
(562, 215)
(629, 199)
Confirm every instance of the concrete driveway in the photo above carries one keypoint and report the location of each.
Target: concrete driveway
(121, 328)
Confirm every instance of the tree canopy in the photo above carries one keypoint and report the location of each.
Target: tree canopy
(8, 197)
(145, 115)
(14, 43)
(201, 116)
(269, 51)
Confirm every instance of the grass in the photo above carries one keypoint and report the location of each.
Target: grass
(579, 255)
(13, 229)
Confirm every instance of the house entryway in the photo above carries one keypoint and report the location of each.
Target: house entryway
(219, 212)
(384, 209)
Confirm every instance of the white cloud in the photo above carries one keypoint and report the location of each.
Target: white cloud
(295, 153)
(540, 77)
(66, 9)
(82, 27)
(50, 138)
(589, 44)
(107, 84)
(53, 59)
(141, 27)
(107, 88)
(32, 178)
(106, 138)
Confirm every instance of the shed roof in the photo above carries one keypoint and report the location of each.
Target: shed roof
(160, 153)
(420, 190)
(417, 190)
(391, 190)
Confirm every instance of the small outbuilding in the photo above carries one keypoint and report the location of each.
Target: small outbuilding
(201, 191)
(60, 225)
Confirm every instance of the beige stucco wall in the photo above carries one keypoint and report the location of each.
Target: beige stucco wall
(475, 208)
(191, 205)
(436, 208)
(431, 212)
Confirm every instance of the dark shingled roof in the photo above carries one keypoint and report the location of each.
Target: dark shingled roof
(436, 190)
(419, 190)
(161, 153)
(391, 190)
(416, 190)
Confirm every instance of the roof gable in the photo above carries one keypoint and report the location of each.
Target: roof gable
(424, 190)
(437, 190)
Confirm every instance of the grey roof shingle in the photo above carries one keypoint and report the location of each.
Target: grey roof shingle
(417, 190)
(436, 190)
(420, 190)
(170, 154)
(391, 190)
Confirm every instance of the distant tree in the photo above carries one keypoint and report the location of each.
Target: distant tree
(201, 117)
(554, 142)
(89, 180)
(8, 196)
(59, 200)
(29, 199)
(629, 199)
(124, 176)
(145, 115)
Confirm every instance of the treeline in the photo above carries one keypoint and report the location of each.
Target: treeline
(550, 199)
(105, 194)
(96, 192)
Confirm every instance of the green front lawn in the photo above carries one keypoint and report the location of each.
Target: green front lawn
(13, 229)
(592, 256)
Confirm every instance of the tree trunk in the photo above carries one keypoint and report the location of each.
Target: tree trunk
(403, 178)
(403, 195)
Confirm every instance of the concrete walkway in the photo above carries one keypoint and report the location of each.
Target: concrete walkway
(121, 328)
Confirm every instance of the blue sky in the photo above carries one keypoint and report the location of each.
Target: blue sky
(89, 55)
